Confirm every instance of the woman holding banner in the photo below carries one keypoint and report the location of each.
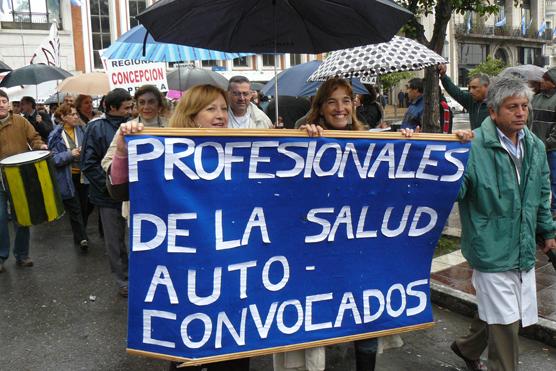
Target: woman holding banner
(331, 109)
(202, 106)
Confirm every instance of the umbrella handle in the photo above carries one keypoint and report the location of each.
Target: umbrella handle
(145, 42)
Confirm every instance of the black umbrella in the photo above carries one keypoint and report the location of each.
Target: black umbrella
(184, 78)
(4, 67)
(293, 82)
(272, 26)
(269, 26)
(33, 74)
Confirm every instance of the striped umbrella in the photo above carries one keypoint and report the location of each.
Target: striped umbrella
(138, 44)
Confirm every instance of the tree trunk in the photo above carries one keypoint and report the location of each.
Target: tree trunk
(431, 115)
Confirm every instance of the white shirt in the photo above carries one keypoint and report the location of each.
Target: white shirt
(506, 297)
(254, 118)
(240, 122)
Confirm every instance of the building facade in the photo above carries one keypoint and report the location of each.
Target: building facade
(86, 27)
(24, 24)
(516, 35)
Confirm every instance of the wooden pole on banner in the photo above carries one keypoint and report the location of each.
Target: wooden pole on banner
(287, 348)
(198, 132)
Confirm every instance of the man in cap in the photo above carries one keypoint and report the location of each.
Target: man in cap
(242, 113)
(543, 125)
(473, 101)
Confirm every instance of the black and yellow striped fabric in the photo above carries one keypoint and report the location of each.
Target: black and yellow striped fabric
(33, 191)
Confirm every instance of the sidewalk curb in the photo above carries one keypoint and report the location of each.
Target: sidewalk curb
(466, 304)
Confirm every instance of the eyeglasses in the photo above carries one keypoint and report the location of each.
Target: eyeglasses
(238, 94)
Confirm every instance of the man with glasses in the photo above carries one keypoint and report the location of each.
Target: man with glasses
(242, 113)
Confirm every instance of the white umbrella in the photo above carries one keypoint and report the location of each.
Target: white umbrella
(527, 72)
(398, 54)
(92, 83)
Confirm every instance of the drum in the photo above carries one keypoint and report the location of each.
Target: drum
(29, 179)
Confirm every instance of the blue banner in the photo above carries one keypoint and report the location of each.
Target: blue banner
(241, 244)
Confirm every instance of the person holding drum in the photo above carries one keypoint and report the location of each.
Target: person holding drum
(65, 144)
(17, 135)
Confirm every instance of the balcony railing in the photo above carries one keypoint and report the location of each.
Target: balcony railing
(481, 29)
(29, 20)
(30, 17)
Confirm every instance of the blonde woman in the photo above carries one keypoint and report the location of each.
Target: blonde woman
(203, 106)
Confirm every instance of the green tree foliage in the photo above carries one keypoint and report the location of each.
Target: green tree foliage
(392, 79)
(443, 11)
(491, 67)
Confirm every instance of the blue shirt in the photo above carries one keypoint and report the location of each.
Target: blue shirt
(413, 115)
(515, 150)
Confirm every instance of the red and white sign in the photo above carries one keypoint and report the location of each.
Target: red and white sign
(132, 74)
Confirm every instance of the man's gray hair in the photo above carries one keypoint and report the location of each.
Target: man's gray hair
(483, 78)
(238, 79)
(506, 87)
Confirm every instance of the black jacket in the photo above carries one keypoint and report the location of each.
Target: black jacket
(44, 127)
(98, 136)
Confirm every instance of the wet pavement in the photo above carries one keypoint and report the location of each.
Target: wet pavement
(64, 314)
(458, 277)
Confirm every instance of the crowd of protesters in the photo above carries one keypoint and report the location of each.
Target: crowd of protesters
(508, 179)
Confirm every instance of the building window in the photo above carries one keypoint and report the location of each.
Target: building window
(242, 62)
(501, 10)
(295, 59)
(30, 14)
(209, 63)
(530, 56)
(100, 29)
(473, 54)
(268, 60)
(135, 8)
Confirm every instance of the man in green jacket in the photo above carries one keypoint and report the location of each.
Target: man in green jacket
(504, 203)
(473, 101)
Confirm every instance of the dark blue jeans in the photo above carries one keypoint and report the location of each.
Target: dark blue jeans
(22, 235)
(551, 156)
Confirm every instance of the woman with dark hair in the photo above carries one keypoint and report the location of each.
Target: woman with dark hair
(65, 143)
(84, 106)
(151, 106)
(370, 109)
(332, 108)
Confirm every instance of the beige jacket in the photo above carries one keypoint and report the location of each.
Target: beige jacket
(17, 135)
